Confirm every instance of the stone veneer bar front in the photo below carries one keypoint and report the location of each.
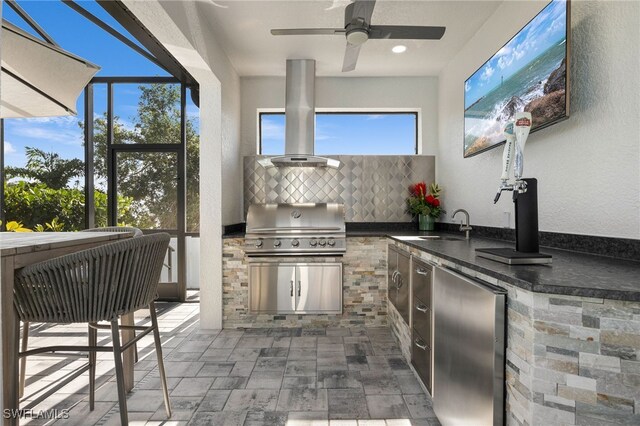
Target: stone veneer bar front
(570, 360)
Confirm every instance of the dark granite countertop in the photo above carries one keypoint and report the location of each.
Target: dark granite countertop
(571, 273)
(236, 234)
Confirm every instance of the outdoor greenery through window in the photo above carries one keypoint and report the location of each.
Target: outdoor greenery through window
(44, 187)
(348, 133)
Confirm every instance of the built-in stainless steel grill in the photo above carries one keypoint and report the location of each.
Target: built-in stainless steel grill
(295, 230)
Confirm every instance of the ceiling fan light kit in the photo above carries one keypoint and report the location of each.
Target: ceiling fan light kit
(358, 30)
(357, 36)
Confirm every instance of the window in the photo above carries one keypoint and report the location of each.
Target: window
(347, 133)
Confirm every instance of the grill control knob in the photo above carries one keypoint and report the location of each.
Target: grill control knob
(259, 243)
(313, 242)
(322, 243)
(295, 243)
(331, 242)
(277, 243)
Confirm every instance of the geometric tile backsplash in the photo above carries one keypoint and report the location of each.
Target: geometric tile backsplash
(372, 188)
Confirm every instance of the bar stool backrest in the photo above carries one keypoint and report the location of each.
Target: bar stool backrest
(98, 284)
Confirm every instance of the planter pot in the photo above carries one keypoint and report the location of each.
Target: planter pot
(426, 222)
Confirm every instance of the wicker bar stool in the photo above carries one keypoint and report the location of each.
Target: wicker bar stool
(99, 284)
(25, 326)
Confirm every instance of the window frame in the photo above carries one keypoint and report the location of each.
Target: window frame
(417, 112)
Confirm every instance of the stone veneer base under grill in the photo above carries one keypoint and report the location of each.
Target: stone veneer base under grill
(364, 287)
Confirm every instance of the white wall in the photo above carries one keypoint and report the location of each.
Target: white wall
(588, 166)
(346, 92)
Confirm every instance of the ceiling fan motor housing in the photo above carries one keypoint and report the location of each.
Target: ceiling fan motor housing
(357, 36)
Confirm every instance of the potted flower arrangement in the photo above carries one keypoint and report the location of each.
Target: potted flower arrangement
(424, 203)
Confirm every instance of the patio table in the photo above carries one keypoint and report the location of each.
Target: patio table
(18, 250)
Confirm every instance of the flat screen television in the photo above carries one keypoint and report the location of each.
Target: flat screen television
(529, 73)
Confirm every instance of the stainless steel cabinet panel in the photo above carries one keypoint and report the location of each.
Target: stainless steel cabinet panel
(319, 288)
(392, 272)
(469, 341)
(421, 358)
(300, 288)
(422, 319)
(399, 276)
(404, 280)
(271, 288)
(421, 273)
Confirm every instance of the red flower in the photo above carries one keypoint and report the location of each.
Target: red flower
(436, 202)
(419, 189)
(430, 199)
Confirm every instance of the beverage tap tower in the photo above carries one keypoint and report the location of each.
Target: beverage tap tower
(525, 198)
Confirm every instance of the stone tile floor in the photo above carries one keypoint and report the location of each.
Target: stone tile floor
(293, 377)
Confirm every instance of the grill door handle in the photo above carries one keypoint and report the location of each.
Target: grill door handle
(291, 288)
(299, 288)
(421, 271)
(420, 344)
(400, 281)
(422, 308)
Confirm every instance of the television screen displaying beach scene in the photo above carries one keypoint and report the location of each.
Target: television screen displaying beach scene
(529, 73)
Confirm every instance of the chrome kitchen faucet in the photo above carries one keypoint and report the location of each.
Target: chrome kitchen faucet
(463, 226)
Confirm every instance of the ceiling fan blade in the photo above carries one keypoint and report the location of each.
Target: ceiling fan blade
(359, 9)
(308, 31)
(406, 32)
(350, 57)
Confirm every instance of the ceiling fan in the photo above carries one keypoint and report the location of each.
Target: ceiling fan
(358, 29)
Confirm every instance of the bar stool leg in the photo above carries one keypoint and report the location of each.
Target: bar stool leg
(93, 342)
(163, 377)
(117, 355)
(23, 361)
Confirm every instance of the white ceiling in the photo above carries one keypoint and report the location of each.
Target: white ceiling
(243, 28)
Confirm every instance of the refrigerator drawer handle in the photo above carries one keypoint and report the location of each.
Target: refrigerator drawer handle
(422, 308)
(419, 343)
(421, 271)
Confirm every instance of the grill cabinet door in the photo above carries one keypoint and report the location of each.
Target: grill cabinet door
(403, 280)
(272, 288)
(318, 288)
(392, 270)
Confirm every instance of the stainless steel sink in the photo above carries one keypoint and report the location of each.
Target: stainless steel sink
(428, 237)
(438, 237)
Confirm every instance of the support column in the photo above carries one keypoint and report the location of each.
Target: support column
(211, 204)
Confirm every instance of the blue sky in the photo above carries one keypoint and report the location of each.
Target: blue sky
(349, 134)
(81, 37)
(335, 134)
(545, 30)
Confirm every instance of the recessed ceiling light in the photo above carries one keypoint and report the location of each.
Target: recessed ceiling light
(399, 48)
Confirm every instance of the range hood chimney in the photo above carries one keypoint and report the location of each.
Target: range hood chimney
(300, 118)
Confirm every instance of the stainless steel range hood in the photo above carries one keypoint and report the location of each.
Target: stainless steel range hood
(300, 118)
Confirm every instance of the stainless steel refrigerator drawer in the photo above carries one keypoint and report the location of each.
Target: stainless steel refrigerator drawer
(421, 274)
(422, 319)
(469, 350)
(421, 358)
